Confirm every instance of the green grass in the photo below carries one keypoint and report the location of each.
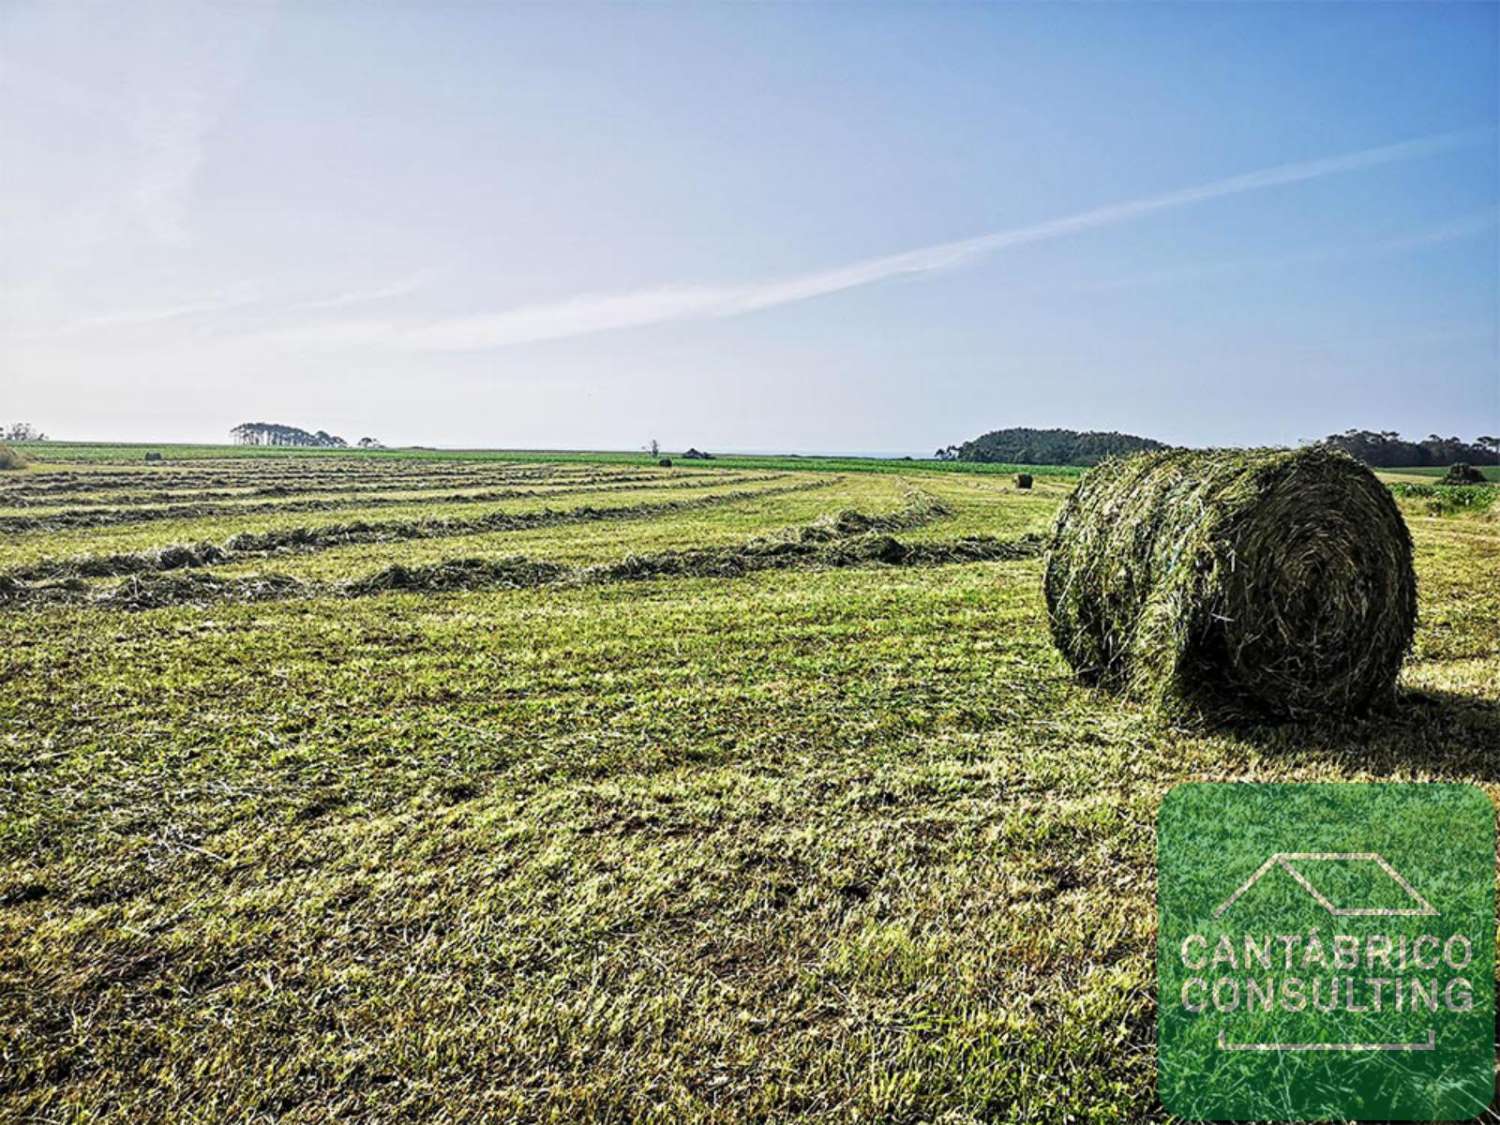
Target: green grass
(87, 452)
(1446, 499)
(803, 844)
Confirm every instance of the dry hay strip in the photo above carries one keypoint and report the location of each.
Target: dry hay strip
(850, 539)
(519, 572)
(178, 473)
(70, 479)
(920, 508)
(1226, 584)
(115, 517)
(196, 495)
(303, 540)
(42, 484)
(257, 487)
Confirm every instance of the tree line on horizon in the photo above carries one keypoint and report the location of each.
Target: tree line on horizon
(277, 433)
(1388, 450)
(1022, 445)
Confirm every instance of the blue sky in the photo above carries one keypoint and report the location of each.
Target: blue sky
(750, 227)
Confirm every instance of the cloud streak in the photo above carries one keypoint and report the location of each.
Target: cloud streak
(247, 295)
(364, 296)
(1456, 230)
(134, 317)
(591, 313)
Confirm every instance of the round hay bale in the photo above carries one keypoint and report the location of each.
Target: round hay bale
(1231, 584)
(665, 462)
(1023, 480)
(1463, 473)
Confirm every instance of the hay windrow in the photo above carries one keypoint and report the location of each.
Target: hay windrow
(176, 556)
(309, 539)
(374, 531)
(57, 483)
(920, 508)
(845, 540)
(201, 492)
(90, 516)
(1234, 584)
(519, 572)
(123, 488)
(514, 573)
(158, 591)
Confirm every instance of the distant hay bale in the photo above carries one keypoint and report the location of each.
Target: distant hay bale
(12, 458)
(665, 462)
(1023, 480)
(1227, 585)
(153, 457)
(1463, 473)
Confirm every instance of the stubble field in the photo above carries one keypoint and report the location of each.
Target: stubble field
(560, 789)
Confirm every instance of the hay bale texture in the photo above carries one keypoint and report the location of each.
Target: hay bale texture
(1227, 585)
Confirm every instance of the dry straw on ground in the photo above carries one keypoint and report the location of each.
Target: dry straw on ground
(1234, 584)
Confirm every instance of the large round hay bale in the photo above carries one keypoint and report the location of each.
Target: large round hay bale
(1234, 584)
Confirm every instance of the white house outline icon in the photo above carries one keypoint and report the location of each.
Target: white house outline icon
(1284, 861)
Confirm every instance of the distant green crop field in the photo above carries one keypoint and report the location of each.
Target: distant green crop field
(540, 787)
(1491, 472)
(60, 451)
(1445, 499)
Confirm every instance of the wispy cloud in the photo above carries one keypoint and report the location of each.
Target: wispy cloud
(1468, 226)
(247, 295)
(367, 296)
(590, 313)
(160, 313)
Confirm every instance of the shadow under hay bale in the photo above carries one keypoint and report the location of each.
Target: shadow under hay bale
(1227, 585)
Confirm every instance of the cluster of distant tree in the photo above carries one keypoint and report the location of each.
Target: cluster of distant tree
(21, 431)
(1022, 446)
(275, 433)
(1389, 450)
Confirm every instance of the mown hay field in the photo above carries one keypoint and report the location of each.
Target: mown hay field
(489, 789)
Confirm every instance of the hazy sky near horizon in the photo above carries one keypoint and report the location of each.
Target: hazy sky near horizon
(794, 227)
